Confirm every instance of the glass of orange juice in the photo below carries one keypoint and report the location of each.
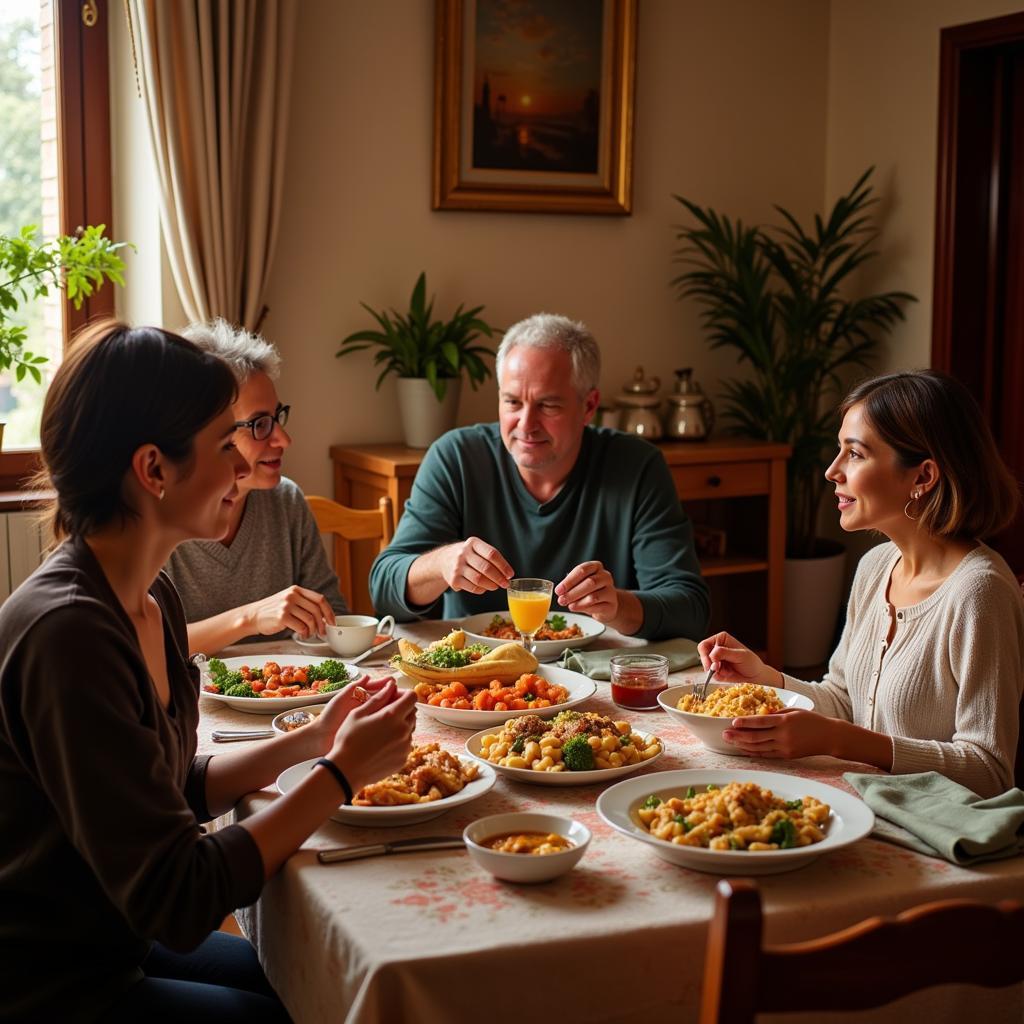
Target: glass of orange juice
(529, 602)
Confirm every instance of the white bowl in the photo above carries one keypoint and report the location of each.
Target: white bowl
(277, 725)
(709, 729)
(403, 814)
(596, 777)
(272, 705)
(525, 867)
(547, 650)
(850, 819)
(579, 686)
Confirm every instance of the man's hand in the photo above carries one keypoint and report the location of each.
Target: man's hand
(590, 590)
(473, 565)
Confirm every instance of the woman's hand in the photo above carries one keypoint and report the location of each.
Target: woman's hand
(304, 611)
(374, 738)
(324, 729)
(732, 662)
(793, 732)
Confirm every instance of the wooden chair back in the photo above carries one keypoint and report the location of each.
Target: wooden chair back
(351, 524)
(954, 941)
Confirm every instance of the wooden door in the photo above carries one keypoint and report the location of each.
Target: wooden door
(978, 321)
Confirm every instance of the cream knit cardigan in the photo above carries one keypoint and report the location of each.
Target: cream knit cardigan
(948, 687)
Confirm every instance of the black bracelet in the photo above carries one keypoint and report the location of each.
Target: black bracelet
(339, 775)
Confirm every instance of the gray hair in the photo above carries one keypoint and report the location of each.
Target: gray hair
(244, 352)
(545, 330)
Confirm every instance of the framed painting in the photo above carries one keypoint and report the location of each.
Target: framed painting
(533, 105)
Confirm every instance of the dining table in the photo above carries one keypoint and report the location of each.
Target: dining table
(431, 938)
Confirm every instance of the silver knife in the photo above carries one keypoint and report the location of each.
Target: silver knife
(396, 846)
(233, 736)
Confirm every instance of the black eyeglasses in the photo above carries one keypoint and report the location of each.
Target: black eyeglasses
(263, 426)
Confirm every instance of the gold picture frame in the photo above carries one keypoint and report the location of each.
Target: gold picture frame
(554, 132)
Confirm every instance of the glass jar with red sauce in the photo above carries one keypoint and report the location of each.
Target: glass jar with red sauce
(637, 679)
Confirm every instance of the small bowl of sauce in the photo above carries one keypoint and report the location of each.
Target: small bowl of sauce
(526, 847)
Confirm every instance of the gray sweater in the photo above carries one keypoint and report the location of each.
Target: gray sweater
(947, 688)
(277, 545)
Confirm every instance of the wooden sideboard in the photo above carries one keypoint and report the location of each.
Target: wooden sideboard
(736, 487)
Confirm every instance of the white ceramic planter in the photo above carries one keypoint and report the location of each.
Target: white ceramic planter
(424, 418)
(814, 591)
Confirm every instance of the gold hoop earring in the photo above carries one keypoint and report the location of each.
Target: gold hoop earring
(906, 508)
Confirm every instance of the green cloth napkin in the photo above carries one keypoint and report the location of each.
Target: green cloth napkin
(941, 818)
(596, 664)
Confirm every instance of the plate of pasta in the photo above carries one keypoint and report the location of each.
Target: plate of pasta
(543, 693)
(431, 782)
(561, 630)
(736, 823)
(576, 748)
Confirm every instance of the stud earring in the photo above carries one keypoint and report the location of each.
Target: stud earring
(161, 494)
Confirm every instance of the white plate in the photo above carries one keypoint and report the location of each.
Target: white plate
(592, 778)
(579, 686)
(385, 817)
(851, 819)
(272, 705)
(547, 650)
(707, 728)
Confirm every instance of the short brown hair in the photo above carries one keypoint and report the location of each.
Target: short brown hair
(118, 388)
(924, 414)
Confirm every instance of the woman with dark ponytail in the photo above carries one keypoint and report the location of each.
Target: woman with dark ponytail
(109, 888)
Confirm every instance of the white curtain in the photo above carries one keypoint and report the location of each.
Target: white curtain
(215, 76)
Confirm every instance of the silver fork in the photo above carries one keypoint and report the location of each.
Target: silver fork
(700, 690)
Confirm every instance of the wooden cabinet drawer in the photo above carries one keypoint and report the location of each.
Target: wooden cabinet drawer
(722, 480)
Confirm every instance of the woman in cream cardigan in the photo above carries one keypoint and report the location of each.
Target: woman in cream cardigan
(929, 670)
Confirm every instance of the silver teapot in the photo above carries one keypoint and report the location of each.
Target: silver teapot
(638, 405)
(690, 415)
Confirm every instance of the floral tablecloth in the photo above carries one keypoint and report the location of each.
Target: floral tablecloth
(429, 938)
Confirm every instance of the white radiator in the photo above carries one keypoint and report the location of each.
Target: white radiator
(21, 549)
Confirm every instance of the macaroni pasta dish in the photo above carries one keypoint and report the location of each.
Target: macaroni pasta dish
(733, 702)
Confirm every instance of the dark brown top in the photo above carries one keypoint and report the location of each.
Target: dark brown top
(101, 796)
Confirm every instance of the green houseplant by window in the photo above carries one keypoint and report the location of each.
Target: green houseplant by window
(78, 263)
(776, 296)
(429, 357)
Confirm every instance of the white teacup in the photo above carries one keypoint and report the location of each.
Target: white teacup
(352, 634)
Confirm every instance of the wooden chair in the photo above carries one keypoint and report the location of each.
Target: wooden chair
(864, 966)
(349, 524)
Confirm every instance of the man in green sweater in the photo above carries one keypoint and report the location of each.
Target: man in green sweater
(542, 493)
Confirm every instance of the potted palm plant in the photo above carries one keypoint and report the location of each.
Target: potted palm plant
(777, 297)
(429, 358)
(78, 263)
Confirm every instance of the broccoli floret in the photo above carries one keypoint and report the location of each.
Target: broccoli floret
(331, 670)
(229, 679)
(784, 833)
(239, 690)
(331, 687)
(577, 755)
(651, 802)
(216, 667)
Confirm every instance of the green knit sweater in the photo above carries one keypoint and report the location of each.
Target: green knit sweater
(618, 506)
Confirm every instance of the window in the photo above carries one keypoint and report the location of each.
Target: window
(54, 172)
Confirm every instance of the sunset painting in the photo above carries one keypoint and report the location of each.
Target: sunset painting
(537, 85)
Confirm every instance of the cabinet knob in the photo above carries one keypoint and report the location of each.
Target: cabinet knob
(714, 481)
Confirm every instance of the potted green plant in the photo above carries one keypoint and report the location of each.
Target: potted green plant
(777, 297)
(78, 263)
(429, 358)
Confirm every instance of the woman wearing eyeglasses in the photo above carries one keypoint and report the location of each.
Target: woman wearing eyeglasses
(268, 575)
